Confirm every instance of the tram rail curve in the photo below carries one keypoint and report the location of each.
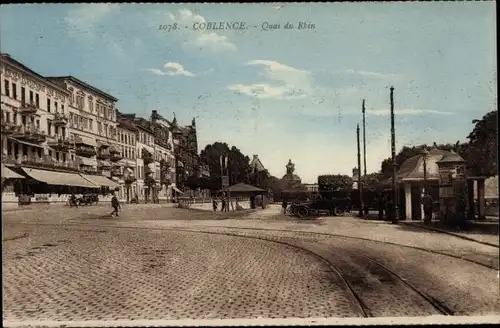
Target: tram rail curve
(496, 268)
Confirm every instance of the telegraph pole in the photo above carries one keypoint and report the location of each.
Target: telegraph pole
(394, 209)
(364, 144)
(360, 187)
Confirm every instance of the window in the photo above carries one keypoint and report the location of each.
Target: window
(91, 105)
(63, 131)
(6, 85)
(14, 91)
(91, 124)
(23, 95)
(48, 105)
(56, 106)
(7, 117)
(79, 101)
(37, 100)
(49, 128)
(14, 118)
(32, 100)
(62, 108)
(38, 124)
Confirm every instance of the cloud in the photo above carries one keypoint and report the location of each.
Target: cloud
(372, 74)
(83, 20)
(282, 82)
(407, 112)
(201, 38)
(171, 69)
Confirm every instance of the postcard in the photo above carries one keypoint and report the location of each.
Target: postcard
(235, 164)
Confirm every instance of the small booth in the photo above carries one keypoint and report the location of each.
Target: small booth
(453, 192)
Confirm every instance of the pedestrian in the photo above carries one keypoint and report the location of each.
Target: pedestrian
(214, 204)
(223, 205)
(380, 206)
(427, 204)
(284, 205)
(115, 204)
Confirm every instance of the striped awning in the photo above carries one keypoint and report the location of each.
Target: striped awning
(100, 180)
(26, 143)
(9, 174)
(85, 141)
(59, 178)
(87, 161)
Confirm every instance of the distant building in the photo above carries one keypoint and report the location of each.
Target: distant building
(312, 187)
(259, 172)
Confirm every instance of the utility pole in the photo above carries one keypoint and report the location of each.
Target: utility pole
(394, 209)
(364, 144)
(360, 186)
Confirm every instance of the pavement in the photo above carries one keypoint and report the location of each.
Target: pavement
(159, 262)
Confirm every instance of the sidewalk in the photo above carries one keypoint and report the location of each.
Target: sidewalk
(481, 232)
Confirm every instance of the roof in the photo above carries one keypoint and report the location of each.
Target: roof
(293, 177)
(451, 157)
(244, 188)
(7, 57)
(256, 164)
(83, 84)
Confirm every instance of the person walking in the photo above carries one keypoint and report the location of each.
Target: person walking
(427, 204)
(284, 205)
(214, 204)
(380, 206)
(223, 205)
(115, 204)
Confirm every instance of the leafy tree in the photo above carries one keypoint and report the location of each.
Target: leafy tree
(334, 182)
(483, 146)
(238, 164)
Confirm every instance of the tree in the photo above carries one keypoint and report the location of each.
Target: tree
(483, 146)
(334, 182)
(238, 164)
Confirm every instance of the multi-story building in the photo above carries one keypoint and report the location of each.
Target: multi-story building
(164, 142)
(36, 142)
(126, 173)
(93, 126)
(186, 151)
(146, 183)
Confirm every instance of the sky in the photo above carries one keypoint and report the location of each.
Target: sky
(279, 93)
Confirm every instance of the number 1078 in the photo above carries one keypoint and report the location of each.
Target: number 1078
(168, 28)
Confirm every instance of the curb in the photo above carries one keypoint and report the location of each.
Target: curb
(450, 233)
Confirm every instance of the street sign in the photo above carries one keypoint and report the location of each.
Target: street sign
(225, 181)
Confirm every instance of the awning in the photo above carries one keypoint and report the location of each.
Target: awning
(9, 174)
(104, 163)
(85, 140)
(87, 161)
(26, 143)
(100, 180)
(59, 178)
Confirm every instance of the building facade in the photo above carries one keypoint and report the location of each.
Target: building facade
(126, 173)
(186, 152)
(164, 161)
(36, 138)
(145, 149)
(93, 126)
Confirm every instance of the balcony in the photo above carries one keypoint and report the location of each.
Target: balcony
(129, 179)
(41, 162)
(114, 150)
(60, 119)
(59, 143)
(85, 151)
(116, 171)
(102, 145)
(103, 154)
(8, 128)
(115, 157)
(29, 133)
(27, 109)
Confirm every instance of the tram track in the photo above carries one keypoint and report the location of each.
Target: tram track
(372, 298)
(492, 267)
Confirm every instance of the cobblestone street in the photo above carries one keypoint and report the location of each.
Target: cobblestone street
(160, 262)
